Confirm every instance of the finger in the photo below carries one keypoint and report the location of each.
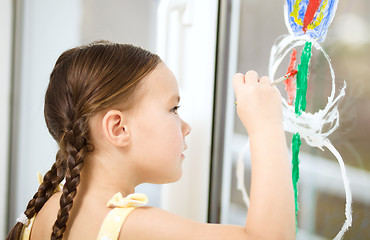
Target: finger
(238, 78)
(238, 81)
(251, 77)
(265, 80)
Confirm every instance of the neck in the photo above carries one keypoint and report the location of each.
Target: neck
(100, 179)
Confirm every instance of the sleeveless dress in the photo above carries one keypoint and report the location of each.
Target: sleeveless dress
(112, 224)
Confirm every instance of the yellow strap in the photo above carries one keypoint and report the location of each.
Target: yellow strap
(113, 222)
(26, 231)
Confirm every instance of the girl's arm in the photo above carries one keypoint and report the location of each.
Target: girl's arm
(271, 212)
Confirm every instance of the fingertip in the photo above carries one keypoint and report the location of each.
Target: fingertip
(251, 73)
(239, 75)
(251, 77)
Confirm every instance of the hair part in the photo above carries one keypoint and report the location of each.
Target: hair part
(85, 80)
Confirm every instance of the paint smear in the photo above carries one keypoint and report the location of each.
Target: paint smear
(314, 128)
(312, 8)
(290, 86)
(296, 144)
(302, 78)
(309, 17)
(348, 209)
(300, 106)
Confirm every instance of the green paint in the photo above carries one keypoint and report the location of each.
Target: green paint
(300, 105)
(296, 143)
(302, 76)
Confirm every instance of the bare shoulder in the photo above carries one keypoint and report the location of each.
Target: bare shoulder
(143, 223)
(84, 221)
(154, 223)
(45, 218)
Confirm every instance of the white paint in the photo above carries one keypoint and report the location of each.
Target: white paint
(6, 27)
(348, 209)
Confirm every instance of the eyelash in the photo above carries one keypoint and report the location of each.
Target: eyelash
(175, 109)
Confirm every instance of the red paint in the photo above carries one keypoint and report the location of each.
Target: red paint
(291, 74)
(290, 86)
(312, 8)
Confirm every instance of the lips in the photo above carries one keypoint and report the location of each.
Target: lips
(185, 147)
(182, 154)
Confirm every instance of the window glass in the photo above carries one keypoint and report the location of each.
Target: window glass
(321, 191)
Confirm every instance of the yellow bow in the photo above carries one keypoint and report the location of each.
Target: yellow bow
(132, 200)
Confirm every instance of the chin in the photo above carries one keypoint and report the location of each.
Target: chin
(176, 179)
(168, 179)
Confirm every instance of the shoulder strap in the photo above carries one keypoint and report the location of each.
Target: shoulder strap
(113, 222)
(122, 207)
(26, 231)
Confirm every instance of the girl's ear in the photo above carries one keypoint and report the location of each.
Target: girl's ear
(115, 128)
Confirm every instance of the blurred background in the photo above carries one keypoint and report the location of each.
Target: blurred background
(204, 43)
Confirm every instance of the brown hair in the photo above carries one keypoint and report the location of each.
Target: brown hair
(84, 81)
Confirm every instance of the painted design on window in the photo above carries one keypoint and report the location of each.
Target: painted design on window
(310, 17)
(307, 22)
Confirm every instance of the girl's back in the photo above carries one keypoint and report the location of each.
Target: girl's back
(84, 220)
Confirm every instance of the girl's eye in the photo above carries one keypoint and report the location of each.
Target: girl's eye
(174, 109)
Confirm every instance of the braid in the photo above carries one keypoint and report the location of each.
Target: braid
(46, 189)
(85, 80)
(75, 144)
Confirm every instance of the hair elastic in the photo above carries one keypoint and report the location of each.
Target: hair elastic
(23, 219)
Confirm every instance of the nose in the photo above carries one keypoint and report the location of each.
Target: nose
(186, 129)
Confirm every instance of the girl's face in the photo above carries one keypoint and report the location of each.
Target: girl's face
(157, 131)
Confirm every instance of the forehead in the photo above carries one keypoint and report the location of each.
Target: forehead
(160, 84)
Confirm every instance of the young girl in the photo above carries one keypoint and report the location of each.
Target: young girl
(112, 108)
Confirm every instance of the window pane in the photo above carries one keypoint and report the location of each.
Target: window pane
(321, 191)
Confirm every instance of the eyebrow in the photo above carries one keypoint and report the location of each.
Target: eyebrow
(174, 98)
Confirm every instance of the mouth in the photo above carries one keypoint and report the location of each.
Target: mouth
(182, 154)
(185, 147)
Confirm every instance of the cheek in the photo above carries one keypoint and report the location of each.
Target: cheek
(167, 139)
(159, 137)
(158, 149)
(174, 133)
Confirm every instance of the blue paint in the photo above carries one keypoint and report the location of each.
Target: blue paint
(319, 32)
